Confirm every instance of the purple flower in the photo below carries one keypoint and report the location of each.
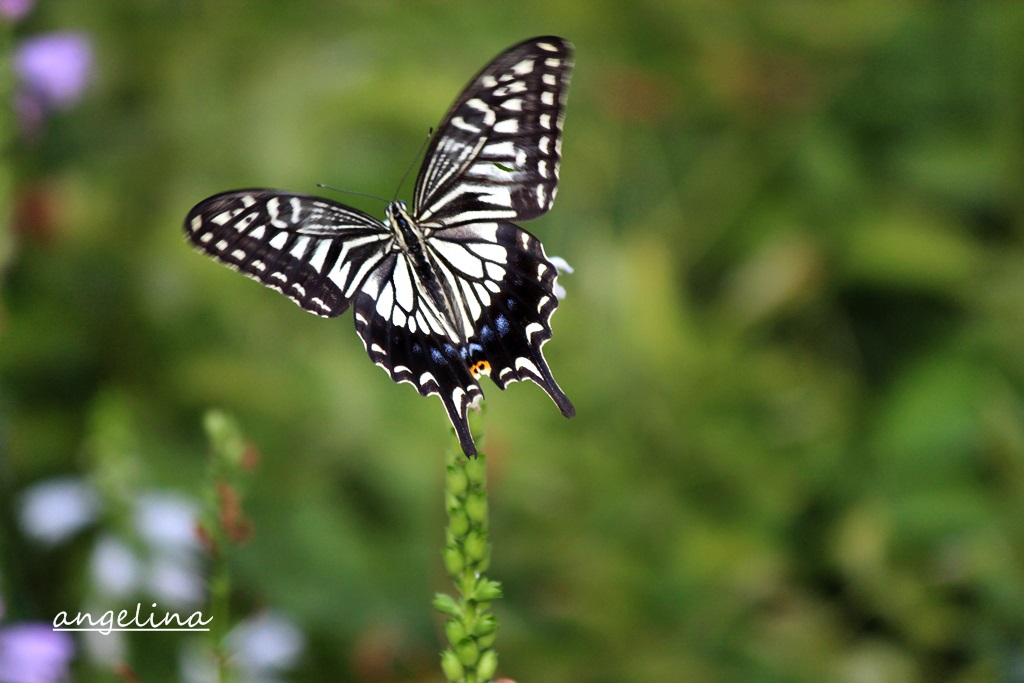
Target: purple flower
(33, 653)
(15, 9)
(54, 68)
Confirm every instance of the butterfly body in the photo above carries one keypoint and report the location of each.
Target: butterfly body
(450, 290)
(411, 241)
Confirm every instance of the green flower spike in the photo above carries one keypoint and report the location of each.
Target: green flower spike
(471, 626)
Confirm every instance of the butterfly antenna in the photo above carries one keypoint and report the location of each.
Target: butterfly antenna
(361, 194)
(430, 133)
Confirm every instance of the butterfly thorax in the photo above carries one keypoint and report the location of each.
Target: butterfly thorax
(407, 234)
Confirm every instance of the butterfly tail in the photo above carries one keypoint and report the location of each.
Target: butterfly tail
(458, 414)
(547, 382)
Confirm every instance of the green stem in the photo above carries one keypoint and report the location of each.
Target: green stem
(225, 476)
(220, 593)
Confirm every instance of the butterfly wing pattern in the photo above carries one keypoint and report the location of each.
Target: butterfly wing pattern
(452, 290)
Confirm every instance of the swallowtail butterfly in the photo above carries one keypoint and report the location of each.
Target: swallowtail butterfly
(450, 290)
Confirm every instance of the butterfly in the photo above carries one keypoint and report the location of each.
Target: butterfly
(448, 291)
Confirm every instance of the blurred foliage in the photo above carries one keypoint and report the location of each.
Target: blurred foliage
(793, 337)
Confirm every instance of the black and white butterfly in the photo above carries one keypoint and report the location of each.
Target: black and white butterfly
(450, 290)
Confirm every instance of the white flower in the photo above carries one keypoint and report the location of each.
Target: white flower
(167, 565)
(167, 521)
(261, 648)
(115, 569)
(175, 580)
(54, 510)
(561, 266)
(265, 644)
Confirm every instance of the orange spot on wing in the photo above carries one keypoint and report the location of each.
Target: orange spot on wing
(481, 367)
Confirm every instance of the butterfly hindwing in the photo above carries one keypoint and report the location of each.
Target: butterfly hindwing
(310, 249)
(405, 334)
(504, 287)
(500, 288)
(497, 152)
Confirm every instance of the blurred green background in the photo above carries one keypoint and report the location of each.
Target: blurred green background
(793, 337)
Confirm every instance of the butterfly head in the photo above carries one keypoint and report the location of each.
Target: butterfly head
(404, 227)
(398, 215)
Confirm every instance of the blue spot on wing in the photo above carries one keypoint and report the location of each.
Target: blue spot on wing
(501, 322)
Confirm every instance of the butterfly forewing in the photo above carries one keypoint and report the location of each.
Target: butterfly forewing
(313, 250)
(497, 152)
